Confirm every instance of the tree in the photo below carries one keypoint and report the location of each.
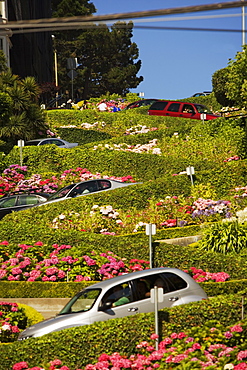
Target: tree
(108, 59)
(236, 85)
(20, 114)
(219, 80)
(230, 83)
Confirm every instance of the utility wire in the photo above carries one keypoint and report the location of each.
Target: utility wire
(60, 22)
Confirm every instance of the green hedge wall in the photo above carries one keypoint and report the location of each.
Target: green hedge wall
(38, 289)
(80, 346)
(80, 136)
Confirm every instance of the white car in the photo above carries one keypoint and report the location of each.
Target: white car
(52, 140)
(121, 296)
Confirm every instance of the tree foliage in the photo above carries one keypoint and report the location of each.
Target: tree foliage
(230, 83)
(219, 80)
(20, 114)
(107, 58)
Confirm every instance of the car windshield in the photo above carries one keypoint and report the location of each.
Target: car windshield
(62, 192)
(202, 108)
(81, 302)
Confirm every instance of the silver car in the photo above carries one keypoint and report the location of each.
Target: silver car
(121, 296)
(85, 188)
(51, 140)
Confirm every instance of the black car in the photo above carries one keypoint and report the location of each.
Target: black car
(17, 202)
(141, 103)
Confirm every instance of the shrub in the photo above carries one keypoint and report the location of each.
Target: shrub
(224, 237)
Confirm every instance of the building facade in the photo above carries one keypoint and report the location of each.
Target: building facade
(31, 54)
(5, 35)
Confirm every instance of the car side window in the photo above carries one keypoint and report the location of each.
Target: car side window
(142, 288)
(103, 184)
(174, 107)
(160, 105)
(118, 295)
(44, 142)
(9, 202)
(56, 142)
(87, 187)
(188, 108)
(28, 200)
(173, 281)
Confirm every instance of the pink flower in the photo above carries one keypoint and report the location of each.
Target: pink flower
(241, 366)
(228, 334)
(56, 362)
(236, 328)
(20, 366)
(154, 336)
(241, 355)
(4, 242)
(15, 329)
(174, 336)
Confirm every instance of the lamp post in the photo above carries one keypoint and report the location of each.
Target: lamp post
(55, 66)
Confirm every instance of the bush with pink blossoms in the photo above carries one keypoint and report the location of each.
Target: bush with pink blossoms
(31, 263)
(207, 347)
(12, 319)
(14, 178)
(200, 276)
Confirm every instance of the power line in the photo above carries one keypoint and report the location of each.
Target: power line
(55, 23)
(93, 26)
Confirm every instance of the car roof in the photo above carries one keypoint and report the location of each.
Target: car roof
(44, 138)
(175, 101)
(108, 283)
(20, 193)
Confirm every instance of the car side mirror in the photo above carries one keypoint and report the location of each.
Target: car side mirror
(105, 306)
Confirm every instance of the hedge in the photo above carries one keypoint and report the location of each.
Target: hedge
(80, 346)
(38, 289)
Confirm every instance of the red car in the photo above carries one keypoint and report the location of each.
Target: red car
(181, 109)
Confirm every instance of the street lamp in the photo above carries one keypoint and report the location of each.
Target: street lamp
(55, 66)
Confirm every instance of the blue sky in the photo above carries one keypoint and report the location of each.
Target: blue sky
(177, 64)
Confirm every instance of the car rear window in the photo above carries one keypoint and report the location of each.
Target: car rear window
(159, 105)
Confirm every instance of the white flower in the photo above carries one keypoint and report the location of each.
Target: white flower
(228, 366)
(61, 217)
(95, 206)
(6, 327)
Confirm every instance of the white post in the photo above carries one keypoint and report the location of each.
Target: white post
(157, 296)
(20, 145)
(150, 230)
(190, 172)
(243, 25)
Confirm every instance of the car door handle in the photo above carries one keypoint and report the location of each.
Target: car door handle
(173, 299)
(133, 309)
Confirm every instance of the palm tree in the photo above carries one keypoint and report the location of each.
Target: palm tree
(20, 114)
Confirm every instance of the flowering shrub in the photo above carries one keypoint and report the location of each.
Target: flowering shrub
(13, 179)
(208, 208)
(145, 148)
(233, 158)
(139, 129)
(175, 211)
(200, 276)
(12, 319)
(210, 347)
(30, 264)
(63, 263)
